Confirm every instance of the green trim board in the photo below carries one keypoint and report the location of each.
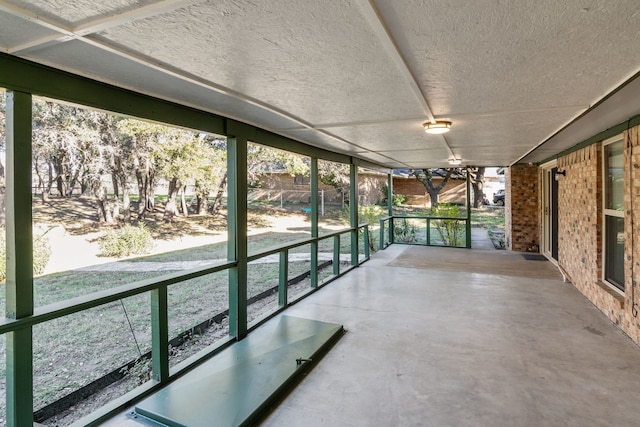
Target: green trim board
(600, 136)
(237, 385)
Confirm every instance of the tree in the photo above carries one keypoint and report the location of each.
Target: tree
(476, 176)
(142, 140)
(425, 176)
(64, 139)
(176, 158)
(118, 151)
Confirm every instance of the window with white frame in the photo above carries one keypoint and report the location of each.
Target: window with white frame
(613, 193)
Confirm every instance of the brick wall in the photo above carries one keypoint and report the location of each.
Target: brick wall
(580, 218)
(521, 208)
(273, 186)
(580, 253)
(627, 321)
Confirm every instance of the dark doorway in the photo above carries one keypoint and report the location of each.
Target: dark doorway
(554, 214)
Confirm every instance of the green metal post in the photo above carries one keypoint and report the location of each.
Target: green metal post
(468, 222)
(284, 278)
(314, 222)
(390, 206)
(366, 242)
(237, 234)
(390, 194)
(353, 210)
(391, 233)
(381, 234)
(336, 254)
(19, 258)
(428, 231)
(159, 334)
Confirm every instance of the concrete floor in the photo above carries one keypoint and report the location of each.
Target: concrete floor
(476, 347)
(427, 347)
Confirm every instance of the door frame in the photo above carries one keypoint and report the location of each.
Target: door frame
(549, 212)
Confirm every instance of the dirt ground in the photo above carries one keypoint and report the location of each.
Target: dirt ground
(72, 249)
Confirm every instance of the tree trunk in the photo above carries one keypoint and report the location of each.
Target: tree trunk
(43, 191)
(142, 195)
(183, 201)
(61, 177)
(102, 203)
(171, 208)
(151, 192)
(51, 180)
(84, 187)
(201, 204)
(202, 199)
(477, 182)
(218, 196)
(433, 196)
(72, 183)
(425, 176)
(116, 196)
(126, 205)
(126, 200)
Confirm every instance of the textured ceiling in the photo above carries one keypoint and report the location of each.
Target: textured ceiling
(360, 77)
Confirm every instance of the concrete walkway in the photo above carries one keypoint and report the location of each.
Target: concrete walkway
(480, 240)
(185, 265)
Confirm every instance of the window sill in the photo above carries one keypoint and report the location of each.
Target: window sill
(611, 291)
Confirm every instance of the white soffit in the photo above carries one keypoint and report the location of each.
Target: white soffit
(360, 77)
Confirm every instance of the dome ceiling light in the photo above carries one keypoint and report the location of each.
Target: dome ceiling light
(440, 126)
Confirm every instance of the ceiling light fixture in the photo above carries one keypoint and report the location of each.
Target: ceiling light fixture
(440, 126)
(455, 162)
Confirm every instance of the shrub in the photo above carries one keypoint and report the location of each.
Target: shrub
(41, 253)
(396, 199)
(371, 215)
(451, 231)
(404, 231)
(125, 241)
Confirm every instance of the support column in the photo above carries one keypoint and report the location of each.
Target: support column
(160, 334)
(390, 194)
(522, 231)
(468, 221)
(390, 209)
(314, 221)
(353, 211)
(237, 234)
(19, 237)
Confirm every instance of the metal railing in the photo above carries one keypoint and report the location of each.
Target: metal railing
(158, 287)
(426, 231)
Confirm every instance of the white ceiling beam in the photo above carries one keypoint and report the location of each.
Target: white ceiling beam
(375, 20)
(83, 33)
(143, 12)
(31, 16)
(100, 24)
